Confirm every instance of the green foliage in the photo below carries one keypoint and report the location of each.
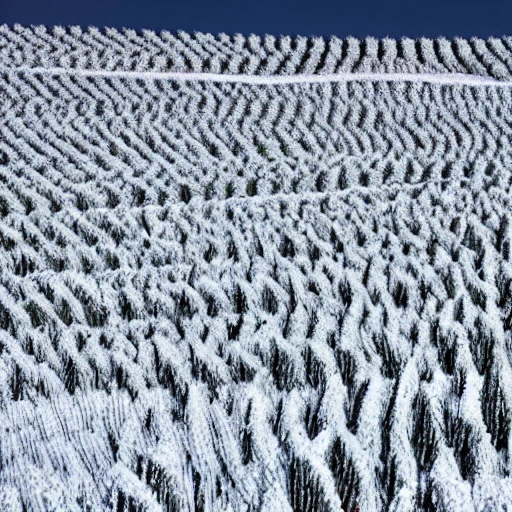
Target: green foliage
(37, 315)
(4, 207)
(262, 150)
(230, 190)
(252, 187)
(208, 191)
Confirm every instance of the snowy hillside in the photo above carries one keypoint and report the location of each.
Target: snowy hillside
(221, 296)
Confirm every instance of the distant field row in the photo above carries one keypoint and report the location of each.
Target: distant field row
(110, 49)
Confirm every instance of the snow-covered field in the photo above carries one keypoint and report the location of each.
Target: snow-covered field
(290, 290)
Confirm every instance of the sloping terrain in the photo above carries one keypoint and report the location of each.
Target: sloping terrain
(237, 297)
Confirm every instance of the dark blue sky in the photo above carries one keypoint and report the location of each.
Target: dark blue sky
(394, 18)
